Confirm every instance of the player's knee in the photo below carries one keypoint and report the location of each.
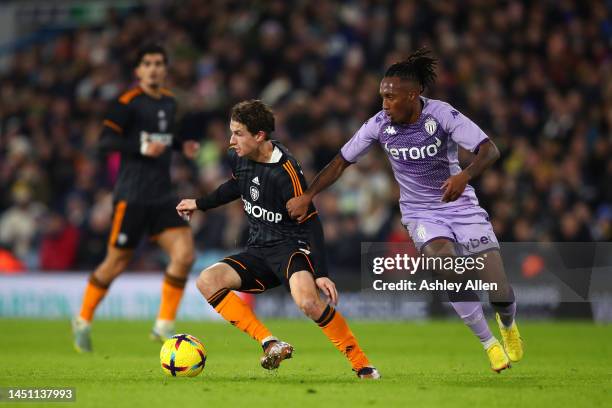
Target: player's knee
(203, 284)
(184, 257)
(440, 249)
(210, 281)
(311, 306)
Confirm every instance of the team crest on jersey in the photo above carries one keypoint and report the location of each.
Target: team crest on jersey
(163, 123)
(254, 193)
(431, 126)
(421, 232)
(390, 130)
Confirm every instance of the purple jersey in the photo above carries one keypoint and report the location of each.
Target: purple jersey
(423, 154)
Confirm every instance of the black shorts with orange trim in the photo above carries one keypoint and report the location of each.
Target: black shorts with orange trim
(132, 221)
(261, 269)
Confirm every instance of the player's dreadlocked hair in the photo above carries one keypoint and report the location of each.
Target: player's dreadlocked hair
(419, 66)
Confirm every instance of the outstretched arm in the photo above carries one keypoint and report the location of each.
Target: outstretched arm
(487, 154)
(224, 194)
(298, 206)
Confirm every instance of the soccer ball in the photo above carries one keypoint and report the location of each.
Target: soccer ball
(182, 355)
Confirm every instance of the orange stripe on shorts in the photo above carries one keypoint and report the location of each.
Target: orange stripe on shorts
(117, 220)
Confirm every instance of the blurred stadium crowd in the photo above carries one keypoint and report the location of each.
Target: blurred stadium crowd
(535, 76)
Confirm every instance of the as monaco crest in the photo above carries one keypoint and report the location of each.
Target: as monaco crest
(431, 126)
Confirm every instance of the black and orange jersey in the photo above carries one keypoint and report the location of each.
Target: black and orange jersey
(265, 189)
(134, 118)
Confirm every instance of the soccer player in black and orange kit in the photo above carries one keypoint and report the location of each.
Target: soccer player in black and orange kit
(139, 126)
(279, 250)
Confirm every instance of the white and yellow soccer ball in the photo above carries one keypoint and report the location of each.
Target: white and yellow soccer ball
(182, 355)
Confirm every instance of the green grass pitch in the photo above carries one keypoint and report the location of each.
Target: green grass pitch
(436, 363)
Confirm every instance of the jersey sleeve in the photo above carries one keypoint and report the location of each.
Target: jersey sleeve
(361, 141)
(225, 193)
(113, 136)
(294, 182)
(460, 128)
(117, 117)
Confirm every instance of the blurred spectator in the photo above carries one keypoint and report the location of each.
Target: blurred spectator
(535, 76)
(58, 248)
(19, 224)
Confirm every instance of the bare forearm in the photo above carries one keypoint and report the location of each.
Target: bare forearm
(486, 156)
(328, 175)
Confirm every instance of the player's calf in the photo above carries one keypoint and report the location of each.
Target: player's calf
(306, 296)
(171, 294)
(216, 284)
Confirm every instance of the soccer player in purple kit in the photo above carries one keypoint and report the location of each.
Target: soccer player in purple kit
(421, 138)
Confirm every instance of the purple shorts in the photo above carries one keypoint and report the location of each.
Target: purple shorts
(468, 227)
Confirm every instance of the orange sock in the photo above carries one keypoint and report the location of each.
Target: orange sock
(94, 293)
(335, 328)
(171, 295)
(235, 311)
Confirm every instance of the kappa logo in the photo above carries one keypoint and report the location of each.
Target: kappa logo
(390, 130)
(254, 193)
(256, 180)
(431, 126)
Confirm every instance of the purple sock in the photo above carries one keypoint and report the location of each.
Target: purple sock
(506, 312)
(472, 315)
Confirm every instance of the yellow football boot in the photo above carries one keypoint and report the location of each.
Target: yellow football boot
(497, 357)
(513, 343)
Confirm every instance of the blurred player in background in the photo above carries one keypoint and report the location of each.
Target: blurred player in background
(439, 208)
(139, 126)
(279, 250)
